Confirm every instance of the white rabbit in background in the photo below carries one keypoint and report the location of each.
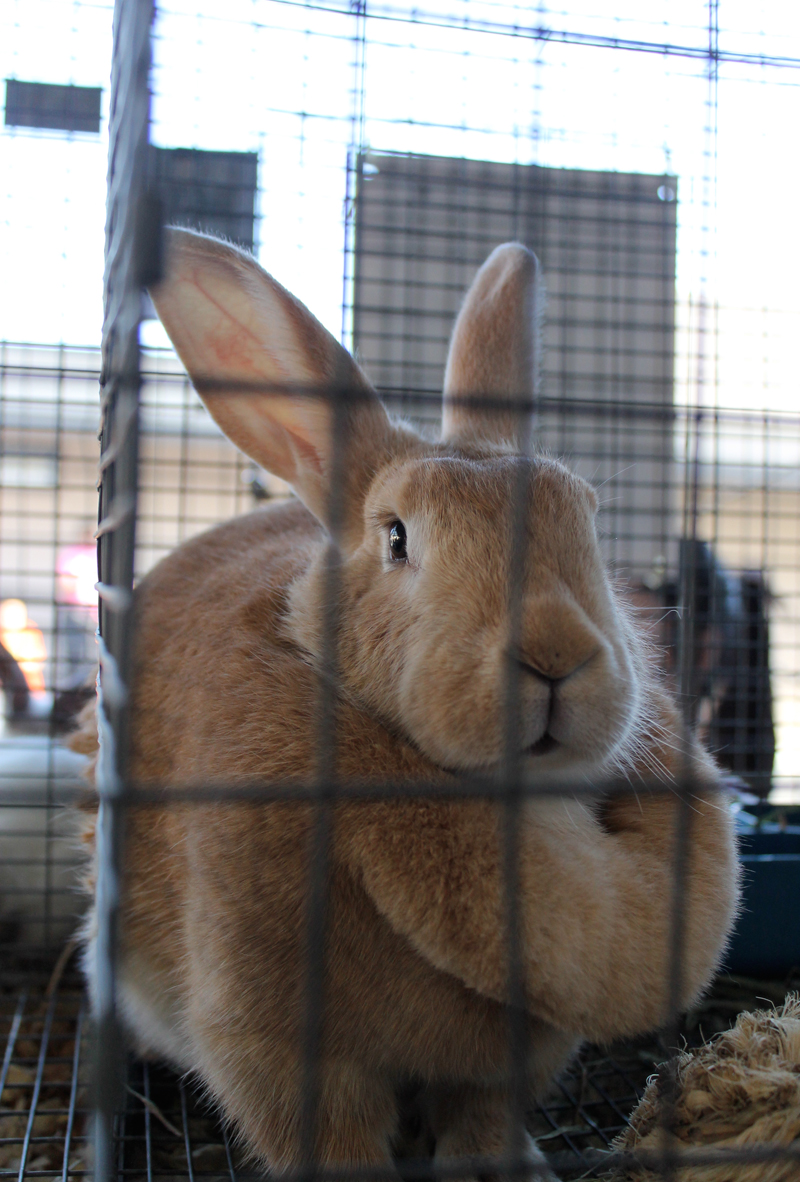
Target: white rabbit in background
(39, 843)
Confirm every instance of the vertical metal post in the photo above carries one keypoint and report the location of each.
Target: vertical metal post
(688, 623)
(354, 175)
(131, 260)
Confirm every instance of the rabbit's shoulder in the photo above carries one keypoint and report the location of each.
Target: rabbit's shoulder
(212, 669)
(210, 586)
(221, 693)
(273, 540)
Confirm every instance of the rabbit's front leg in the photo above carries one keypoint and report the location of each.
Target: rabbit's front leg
(355, 1113)
(356, 1116)
(472, 1121)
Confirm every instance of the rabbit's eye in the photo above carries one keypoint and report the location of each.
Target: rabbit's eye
(397, 542)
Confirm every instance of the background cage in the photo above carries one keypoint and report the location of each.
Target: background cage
(373, 155)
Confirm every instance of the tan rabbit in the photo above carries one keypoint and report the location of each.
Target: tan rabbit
(232, 645)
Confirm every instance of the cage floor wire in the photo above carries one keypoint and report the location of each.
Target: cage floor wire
(44, 1083)
(168, 1131)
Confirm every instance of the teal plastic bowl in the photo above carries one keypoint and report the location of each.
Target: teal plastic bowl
(766, 940)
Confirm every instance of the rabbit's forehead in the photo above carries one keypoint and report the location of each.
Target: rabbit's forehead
(429, 484)
(485, 487)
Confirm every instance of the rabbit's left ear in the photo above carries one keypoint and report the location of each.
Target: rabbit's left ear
(277, 383)
(492, 366)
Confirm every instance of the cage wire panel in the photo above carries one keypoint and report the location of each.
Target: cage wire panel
(372, 157)
(606, 242)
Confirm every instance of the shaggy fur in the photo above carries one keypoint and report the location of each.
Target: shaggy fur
(232, 645)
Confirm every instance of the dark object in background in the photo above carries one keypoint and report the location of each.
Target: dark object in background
(742, 731)
(62, 108)
(729, 689)
(68, 702)
(68, 705)
(15, 687)
(423, 225)
(210, 191)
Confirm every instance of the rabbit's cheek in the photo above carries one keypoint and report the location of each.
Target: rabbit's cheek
(450, 706)
(536, 704)
(593, 713)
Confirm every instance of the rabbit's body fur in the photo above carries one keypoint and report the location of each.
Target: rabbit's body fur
(228, 681)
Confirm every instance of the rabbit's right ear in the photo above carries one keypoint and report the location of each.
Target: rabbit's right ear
(492, 366)
(270, 374)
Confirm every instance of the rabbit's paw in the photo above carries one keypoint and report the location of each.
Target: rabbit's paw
(472, 1122)
(540, 1169)
(530, 1166)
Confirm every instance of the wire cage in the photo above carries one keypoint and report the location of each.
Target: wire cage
(372, 157)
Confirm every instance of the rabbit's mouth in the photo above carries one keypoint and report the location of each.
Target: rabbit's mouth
(544, 745)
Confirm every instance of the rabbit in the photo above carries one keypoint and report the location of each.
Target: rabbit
(40, 856)
(231, 662)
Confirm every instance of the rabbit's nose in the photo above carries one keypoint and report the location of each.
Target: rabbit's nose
(556, 669)
(527, 667)
(557, 638)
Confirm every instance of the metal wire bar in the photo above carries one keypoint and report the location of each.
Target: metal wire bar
(326, 738)
(131, 260)
(37, 1086)
(226, 1140)
(148, 1146)
(187, 1140)
(512, 797)
(16, 1021)
(456, 788)
(73, 1094)
(589, 1158)
(417, 16)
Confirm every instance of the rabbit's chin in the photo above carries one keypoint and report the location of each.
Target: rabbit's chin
(548, 760)
(594, 741)
(548, 755)
(544, 746)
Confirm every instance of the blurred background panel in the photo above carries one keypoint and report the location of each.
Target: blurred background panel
(606, 242)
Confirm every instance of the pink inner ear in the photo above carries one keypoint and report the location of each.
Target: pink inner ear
(234, 343)
(309, 453)
(229, 345)
(253, 351)
(257, 423)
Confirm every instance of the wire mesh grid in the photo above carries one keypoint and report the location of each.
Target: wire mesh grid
(699, 490)
(167, 1128)
(44, 1128)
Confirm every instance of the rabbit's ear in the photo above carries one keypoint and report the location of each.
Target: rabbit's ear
(269, 373)
(492, 366)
